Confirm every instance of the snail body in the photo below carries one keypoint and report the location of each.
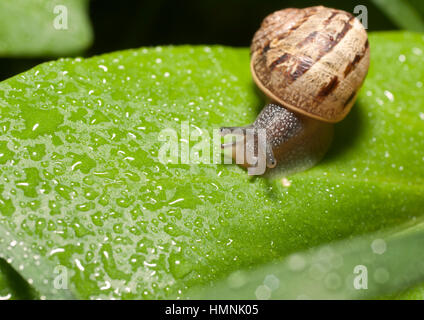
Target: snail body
(310, 63)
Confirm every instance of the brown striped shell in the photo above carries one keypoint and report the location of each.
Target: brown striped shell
(312, 61)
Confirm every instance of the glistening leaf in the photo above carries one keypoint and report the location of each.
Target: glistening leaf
(43, 28)
(82, 186)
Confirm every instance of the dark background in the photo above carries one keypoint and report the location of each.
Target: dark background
(130, 24)
(127, 24)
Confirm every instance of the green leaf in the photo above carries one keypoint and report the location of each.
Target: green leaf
(361, 268)
(82, 186)
(43, 27)
(404, 13)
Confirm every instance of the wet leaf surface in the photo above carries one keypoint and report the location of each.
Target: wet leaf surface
(82, 187)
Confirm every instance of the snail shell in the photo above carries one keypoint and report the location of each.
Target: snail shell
(312, 61)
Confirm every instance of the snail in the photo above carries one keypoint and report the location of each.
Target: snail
(310, 63)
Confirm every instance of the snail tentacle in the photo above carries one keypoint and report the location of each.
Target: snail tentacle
(270, 159)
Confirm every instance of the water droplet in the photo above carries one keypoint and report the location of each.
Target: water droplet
(378, 246)
(389, 95)
(381, 275)
(272, 282)
(263, 292)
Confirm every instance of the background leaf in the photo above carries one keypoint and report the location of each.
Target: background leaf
(377, 264)
(13, 286)
(27, 29)
(82, 185)
(404, 13)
